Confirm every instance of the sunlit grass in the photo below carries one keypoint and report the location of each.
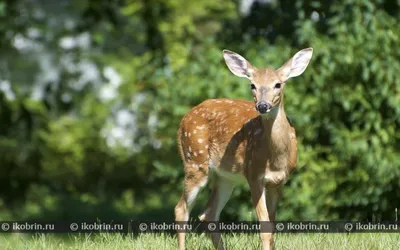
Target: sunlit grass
(200, 241)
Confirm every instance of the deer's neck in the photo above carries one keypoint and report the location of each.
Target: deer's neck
(276, 128)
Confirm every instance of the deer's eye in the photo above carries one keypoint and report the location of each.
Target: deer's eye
(278, 85)
(252, 86)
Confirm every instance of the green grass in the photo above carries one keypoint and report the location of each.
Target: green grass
(364, 241)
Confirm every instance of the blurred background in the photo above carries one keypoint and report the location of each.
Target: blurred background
(92, 93)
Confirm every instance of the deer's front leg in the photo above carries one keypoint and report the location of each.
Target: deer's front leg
(258, 196)
(273, 194)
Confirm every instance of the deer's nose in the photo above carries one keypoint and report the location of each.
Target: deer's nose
(263, 107)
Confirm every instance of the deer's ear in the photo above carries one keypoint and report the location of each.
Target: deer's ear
(296, 65)
(237, 64)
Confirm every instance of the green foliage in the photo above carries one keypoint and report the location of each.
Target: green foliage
(69, 154)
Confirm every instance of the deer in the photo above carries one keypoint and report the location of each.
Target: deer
(240, 140)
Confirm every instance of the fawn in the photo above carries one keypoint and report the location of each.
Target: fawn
(238, 141)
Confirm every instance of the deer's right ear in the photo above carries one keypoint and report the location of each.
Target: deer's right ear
(237, 64)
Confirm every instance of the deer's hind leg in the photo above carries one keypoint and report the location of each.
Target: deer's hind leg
(193, 183)
(196, 177)
(220, 194)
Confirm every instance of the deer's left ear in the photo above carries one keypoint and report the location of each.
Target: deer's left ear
(296, 65)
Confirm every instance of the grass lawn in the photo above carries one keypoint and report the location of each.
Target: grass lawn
(334, 241)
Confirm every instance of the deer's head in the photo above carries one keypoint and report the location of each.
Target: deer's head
(267, 84)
